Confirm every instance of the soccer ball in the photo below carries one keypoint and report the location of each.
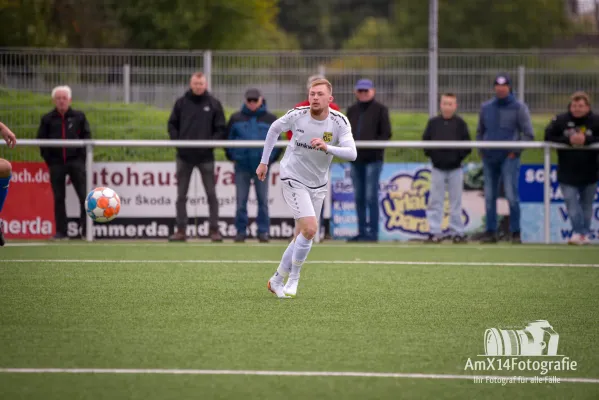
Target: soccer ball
(102, 204)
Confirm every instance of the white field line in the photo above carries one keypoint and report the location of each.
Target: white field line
(347, 262)
(330, 244)
(268, 373)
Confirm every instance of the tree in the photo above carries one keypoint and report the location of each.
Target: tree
(201, 24)
(483, 23)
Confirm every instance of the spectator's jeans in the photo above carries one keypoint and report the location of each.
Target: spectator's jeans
(243, 181)
(365, 177)
(509, 170)
(184, 171)
(579, 203)
(451, 181)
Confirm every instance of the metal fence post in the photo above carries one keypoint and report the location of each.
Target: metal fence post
(521, 82)
(89, 174)
(322, 70)
(207, 69)
(127, 83)
(547, 193)
(433, 57)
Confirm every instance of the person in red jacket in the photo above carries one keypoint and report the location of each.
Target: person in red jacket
(306, 103)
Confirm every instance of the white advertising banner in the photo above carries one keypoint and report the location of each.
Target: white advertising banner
(148, 193)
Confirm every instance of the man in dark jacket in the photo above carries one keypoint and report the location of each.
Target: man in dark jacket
(447, 174)
(65, 123)
(251, 123)
(196, 116)
(577, 171)
(503, 118)
(369, 120)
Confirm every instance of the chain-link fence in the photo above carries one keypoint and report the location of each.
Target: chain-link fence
(128, 94)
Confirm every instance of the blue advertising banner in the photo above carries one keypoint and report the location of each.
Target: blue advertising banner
(532, 211)
(403, 197)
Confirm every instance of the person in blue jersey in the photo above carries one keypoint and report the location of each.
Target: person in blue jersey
(250, 123)
(503, 118)
(5, 170)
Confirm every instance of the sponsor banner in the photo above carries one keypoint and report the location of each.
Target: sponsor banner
(147, 191)
(532, 208)
(403, 196)
(162, 228)
(150, 190)
(29, 209)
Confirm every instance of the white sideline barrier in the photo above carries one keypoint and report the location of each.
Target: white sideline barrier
(521, 145)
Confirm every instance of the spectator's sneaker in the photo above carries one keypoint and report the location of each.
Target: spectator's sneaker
(290, 288)
(489, 238)
(263, 238)
(434, 239)
(216, 237)
(579, 239)
(2, 242)
(239, 238)
(178, 236)
(59, 237)
(276, 289)
(459, 239)
(584, 240)
(516, 239)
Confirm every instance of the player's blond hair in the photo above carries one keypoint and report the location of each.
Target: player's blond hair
(322, 81)
(312, 79)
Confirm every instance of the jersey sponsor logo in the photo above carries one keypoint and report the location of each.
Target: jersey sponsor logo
(327, 137)
(305, 146)
(299, 130)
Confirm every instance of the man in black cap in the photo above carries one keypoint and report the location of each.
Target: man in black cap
(250, 123)
(502, 118)
(196, 116)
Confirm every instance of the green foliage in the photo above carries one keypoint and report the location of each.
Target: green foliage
(160, 24)
(466, 24)
(482, 24)
(373, 33)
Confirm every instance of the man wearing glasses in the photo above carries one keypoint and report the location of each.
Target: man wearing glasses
(250, 123)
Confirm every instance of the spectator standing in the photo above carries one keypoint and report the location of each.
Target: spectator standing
(250, 123)
(197, 115)
(447, 175)
(502, 118)
(65, 123)
(577, 171)
(369, 120)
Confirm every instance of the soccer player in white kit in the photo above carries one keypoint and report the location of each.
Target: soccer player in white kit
(319, 133)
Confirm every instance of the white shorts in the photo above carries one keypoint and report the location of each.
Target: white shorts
(303, 201)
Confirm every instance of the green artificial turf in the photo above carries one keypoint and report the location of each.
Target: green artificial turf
(201, 306)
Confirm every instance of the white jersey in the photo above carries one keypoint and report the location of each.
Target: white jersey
(302, 162)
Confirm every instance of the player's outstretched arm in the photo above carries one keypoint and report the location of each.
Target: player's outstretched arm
(8, 135)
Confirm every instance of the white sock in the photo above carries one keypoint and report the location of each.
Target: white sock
(285, 265)
(300, 253)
